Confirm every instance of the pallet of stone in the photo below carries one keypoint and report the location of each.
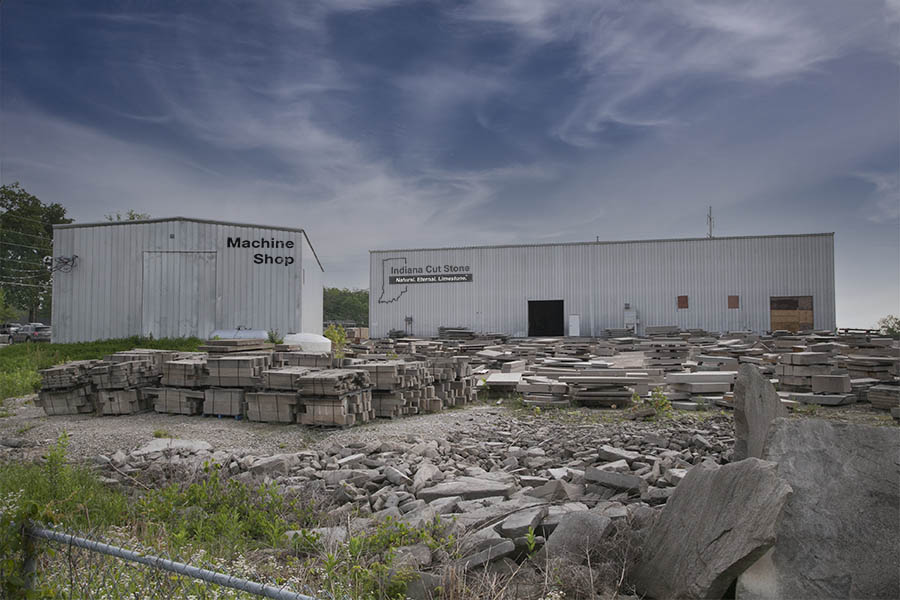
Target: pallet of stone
(125, 375)
(664, 331)
(122, 402)
(223, 402)
(68, 375)
(284, 378)
(272, 406)
(185, 373)
(706, 362)
(227, 346)
(702, 386)
(237, 370)
(390, 405)
(603, 391)
(316, 360)
(861, 387)
(333, 382)
(176, 401)
(665, 353)
(456, 333)
(504, 382)
(397, 374)
(884, 397)
(329, 411)
(72, 401)
(874, 367)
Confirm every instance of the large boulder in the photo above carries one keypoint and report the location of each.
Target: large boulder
(756, 405)
(839, 535)
(719, 521)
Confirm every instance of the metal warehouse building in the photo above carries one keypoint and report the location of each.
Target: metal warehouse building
(178, 277)
(758, 283)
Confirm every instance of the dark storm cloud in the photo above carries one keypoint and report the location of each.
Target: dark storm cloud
(385, 124)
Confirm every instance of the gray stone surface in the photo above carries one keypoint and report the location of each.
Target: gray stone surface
(518, 523)
(467, 488)
(719, 521)
(839, 536)
(502, 548)
(575, 536)
(756, 405)
(171, 445)
(616, 481)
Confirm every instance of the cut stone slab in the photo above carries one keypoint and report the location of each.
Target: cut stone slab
(831, 384)
(839, 535)
(426, 472)
(718, 522)
(396, 477)
(467, 488)
(518, 523)
(558, 490)
(171, 445)
(611, 453)
(756, 405)
(575, 536)
(555, 515)
(503, 548)
(824, 399)
(616, 481)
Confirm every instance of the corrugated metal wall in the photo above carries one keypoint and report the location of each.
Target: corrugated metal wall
(103, 296)
(595, 280)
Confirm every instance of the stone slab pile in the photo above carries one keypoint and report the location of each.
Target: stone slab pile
(667, 354)
(884, 397)
(795, 370)
(400, 388)
(702, 388)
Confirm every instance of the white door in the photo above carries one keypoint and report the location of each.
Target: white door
(574, 325)
(179, 294)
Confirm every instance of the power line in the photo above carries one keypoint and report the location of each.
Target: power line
(23, 246)
(24, 262)
(45, 286)
(14, 232)
(7, 214)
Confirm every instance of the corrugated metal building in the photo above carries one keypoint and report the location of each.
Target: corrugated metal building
(177, 277)
(757, 283)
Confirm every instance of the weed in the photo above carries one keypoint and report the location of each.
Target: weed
(274, 337)
(338, 338)
(657, 400)
(162, 433)
(25, 428)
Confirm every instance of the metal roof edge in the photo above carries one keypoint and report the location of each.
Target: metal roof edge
(595, 243)
(186, 219)
(191, 220)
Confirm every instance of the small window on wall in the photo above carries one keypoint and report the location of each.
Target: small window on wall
(734, 301)
(682, 301)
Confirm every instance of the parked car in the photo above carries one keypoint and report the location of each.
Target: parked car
(9, 328)
(32, 333)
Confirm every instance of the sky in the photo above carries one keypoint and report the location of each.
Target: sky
(380, 124)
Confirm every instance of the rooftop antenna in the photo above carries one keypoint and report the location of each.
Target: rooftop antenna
(710, 221)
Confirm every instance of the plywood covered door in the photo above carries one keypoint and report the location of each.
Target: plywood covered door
(791, 313)
(179, 294)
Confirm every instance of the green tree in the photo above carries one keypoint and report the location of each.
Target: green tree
(7, 312)
(890, 326)
(26, 248)
(346, 305)
(131, 215)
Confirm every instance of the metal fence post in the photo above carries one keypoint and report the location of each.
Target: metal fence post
(29, 558)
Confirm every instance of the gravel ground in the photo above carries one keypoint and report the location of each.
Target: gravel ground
(90, 435)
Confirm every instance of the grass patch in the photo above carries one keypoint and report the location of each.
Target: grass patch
(20, 363)
(211, 521)
(162, 433)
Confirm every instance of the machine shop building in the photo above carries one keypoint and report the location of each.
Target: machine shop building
(176, 277)
(748, 283)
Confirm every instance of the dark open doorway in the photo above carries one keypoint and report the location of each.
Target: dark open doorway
(545, 317)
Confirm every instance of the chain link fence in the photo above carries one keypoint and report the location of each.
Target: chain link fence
(60, 564)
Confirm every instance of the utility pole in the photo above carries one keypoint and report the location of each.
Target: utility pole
(709, 221)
